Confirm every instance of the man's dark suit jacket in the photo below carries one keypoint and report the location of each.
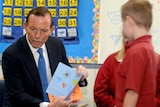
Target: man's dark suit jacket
(22, 81)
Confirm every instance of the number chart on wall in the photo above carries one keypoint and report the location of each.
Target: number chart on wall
(64, 13)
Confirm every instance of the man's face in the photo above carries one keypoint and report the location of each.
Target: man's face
(38, 29)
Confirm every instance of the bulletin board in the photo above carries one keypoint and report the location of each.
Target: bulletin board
(64, 13)
(110, 38)
(86, 50)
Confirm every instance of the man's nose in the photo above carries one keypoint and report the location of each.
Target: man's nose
(38, 34)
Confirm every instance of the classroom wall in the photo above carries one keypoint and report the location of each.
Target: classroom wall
(85, 36)
(88, 91)
(1, 74)
(110, 28)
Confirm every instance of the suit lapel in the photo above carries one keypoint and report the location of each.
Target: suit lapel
(31, 65)
(51, 57)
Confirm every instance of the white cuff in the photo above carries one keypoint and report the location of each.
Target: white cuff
(44, 104)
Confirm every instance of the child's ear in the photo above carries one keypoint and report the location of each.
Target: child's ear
(130, 20)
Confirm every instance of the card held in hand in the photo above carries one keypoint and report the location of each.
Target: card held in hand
(63, 82)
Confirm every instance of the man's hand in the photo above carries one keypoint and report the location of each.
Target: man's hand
(60, 102)
(82, 70)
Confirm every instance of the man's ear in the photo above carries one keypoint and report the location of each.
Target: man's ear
(52, 29)
(25, 26)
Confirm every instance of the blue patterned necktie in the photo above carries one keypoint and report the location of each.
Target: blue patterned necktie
(42, 73)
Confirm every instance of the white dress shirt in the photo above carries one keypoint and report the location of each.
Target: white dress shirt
(48, 70)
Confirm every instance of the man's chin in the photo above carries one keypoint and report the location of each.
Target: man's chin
(36, 45)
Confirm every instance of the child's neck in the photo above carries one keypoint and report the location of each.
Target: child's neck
(140, 32)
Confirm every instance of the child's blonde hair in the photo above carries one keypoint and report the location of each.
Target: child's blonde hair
(121, 53)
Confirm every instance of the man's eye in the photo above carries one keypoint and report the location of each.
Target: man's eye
(44, 31)
(32, 28)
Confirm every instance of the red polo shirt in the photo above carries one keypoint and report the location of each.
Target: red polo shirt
(137, 72)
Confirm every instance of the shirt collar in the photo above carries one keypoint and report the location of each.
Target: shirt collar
(145, 38)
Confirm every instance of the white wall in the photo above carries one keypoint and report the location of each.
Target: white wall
(88, 91)
(110, 27)
(1, 74)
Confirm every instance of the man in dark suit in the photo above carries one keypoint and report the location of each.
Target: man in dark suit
(20, 63)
